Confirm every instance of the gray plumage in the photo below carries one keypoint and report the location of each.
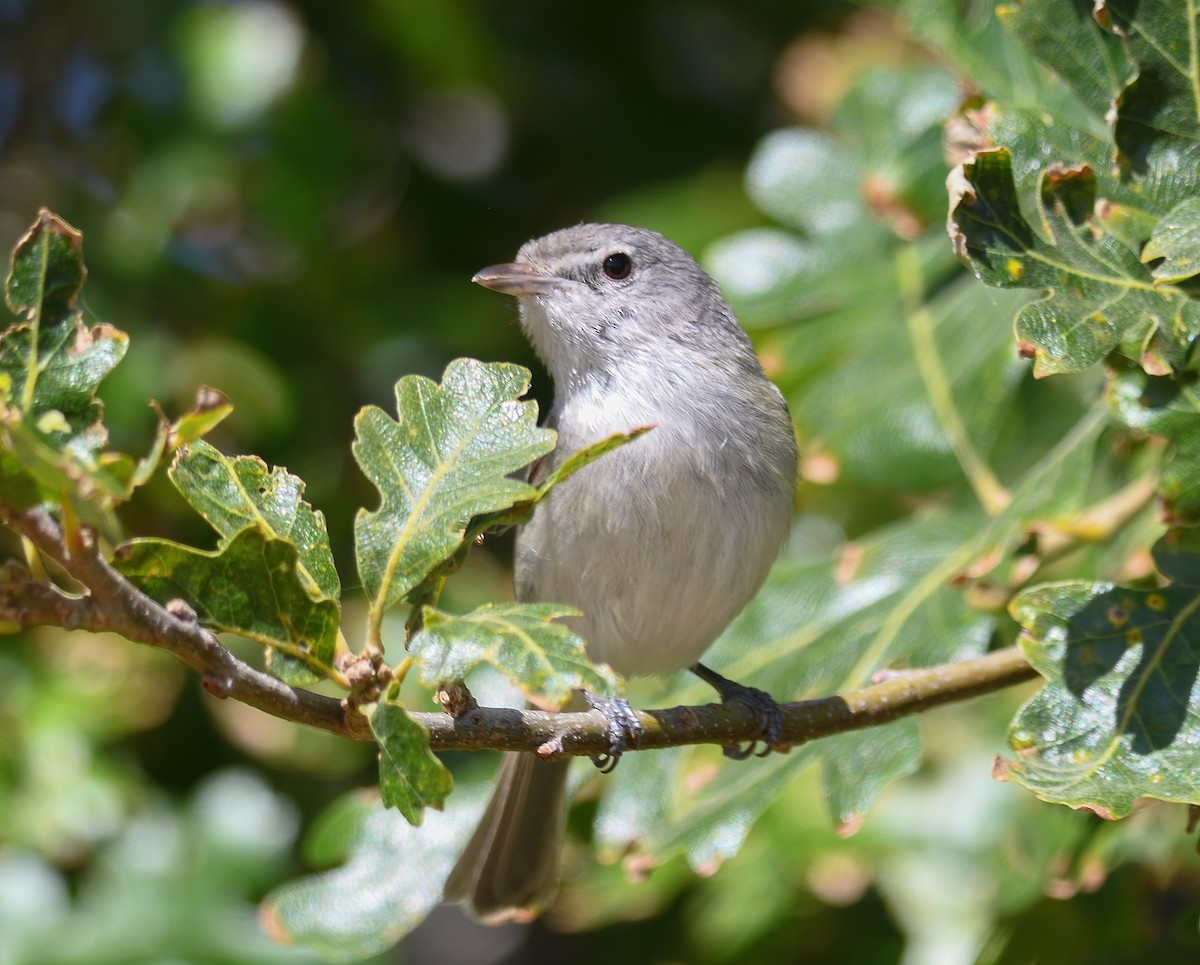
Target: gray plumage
(660, 543)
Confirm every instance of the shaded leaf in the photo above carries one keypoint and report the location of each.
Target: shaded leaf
(392, 878)
(1157, 128)
(1064, 36)
(251, 586)
(527, 642)
(1169, 408)
(411, 778)
(1117, 719)
(447, 459)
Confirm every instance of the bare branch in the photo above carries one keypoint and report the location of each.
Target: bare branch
(114, 604)
(901, 694)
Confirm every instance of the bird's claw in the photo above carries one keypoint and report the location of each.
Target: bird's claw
(764, 706)
(770, 718)
(624, 728)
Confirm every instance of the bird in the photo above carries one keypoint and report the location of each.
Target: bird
(658, 544)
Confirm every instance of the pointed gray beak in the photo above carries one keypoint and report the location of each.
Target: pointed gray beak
(517, 279)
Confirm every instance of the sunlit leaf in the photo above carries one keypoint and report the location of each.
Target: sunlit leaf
(1098, 293)
(1176, 240)
(450, 457)
(528, 642)
(252, 586)
(411, 778)
(1064, 36)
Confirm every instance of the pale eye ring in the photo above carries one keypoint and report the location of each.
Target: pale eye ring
(618, 265)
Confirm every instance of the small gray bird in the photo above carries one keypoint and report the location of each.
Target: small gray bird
(660, 543)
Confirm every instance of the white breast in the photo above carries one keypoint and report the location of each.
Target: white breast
(662, 542)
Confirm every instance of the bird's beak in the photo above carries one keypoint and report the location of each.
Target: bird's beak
(517, 279)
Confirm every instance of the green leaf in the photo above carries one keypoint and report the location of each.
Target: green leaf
(51, 360)
(391, 880)
(1092, 220)
(209, 410)
(1064, 36)
(447, 459)
(1098, 295)
(426, 593)
(1118, 718)
(234, 492)
(411, 778)
(527, 642)
(1169, 408)
(252, 586)
(1176, 240)
(1157, 129)
(585, 457)
(50, 367)
(270, 539)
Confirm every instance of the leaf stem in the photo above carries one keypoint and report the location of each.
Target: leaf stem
(988, 490)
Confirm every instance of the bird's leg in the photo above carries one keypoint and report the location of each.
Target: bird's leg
(770, 717)
(623, 728)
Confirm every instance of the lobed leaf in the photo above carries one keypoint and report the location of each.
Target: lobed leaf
(1063, 35)
(1098, 294)
(251, 586)
(1119, 716)
(234, 492)
(411, 778)
(449, 458)
(1157, 127)
(527, 642)
(1095, 225)
(50, 368)
(1176, 241)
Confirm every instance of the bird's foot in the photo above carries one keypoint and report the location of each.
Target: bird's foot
(624, 728)
(770, 717)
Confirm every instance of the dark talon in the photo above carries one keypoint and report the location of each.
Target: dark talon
(623, 728)
(770, 717)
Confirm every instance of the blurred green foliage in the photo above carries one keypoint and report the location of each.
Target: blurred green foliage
(286, 201)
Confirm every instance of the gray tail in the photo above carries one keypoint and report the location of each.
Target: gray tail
(511, 863)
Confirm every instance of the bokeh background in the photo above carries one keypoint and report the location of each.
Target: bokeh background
(286, 201)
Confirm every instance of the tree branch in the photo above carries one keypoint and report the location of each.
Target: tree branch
(113, 604)
(116, 605)
(902, 693)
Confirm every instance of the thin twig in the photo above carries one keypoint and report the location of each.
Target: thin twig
(113, 604)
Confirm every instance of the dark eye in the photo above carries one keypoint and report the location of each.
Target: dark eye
(618, 265)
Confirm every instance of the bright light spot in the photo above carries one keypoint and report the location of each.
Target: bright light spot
(459, 135)
(241, 58)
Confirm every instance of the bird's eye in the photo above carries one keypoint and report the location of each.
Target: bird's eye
(618, 265)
